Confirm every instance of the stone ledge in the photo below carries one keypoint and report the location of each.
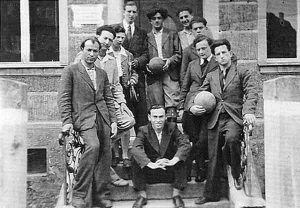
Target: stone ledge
(189, 203)
(156, 191)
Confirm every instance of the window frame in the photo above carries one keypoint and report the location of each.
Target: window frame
(25, 39)
(262, 39)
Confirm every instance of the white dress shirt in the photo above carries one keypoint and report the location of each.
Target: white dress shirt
(126, 25)
(158, 40)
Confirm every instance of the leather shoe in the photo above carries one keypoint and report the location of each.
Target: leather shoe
(139, 202)
(203, 200)
(238, 183)
(178, 202)
(200, 179)
(104, 203)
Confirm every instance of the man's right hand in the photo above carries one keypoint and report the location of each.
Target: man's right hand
(67, 128)
(197, 110)
(155, 166)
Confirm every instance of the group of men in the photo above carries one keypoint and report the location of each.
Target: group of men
(110, 89)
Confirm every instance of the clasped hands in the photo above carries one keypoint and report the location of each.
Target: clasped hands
(163, 163)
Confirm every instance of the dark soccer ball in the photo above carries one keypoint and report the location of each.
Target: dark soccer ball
(156, 65)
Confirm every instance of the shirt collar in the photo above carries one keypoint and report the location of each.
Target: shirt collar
(157, 32)
(208, 59)
(189, 32)
(121, 52)
(106, 57)
(126, 25)
(87, 68)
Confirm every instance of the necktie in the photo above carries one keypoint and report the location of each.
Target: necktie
(129, 34)
(205, 62)
(222, 79)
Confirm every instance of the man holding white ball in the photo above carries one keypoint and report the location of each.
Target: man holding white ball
(236, 99)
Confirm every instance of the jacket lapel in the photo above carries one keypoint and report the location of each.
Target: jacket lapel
(151, 40)
(165, 140)
(153, 140)
(212, 64)
(231, 74)
(165, 36)
(85, 75)
(98, 78)
(216, 77)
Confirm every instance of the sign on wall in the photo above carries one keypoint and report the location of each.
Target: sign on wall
(87, 14)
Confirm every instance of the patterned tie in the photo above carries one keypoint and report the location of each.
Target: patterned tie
(222, 78)
(129, 34)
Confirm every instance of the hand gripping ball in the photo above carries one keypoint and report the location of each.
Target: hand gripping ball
(156, 65)
(206, 99)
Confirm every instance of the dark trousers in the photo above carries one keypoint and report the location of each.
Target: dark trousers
(224, 144)
(94, 165)
(196, 128)
(175, 175)
(139, 108)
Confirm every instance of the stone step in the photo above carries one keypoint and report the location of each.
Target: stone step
(189, 203)
(156, 191)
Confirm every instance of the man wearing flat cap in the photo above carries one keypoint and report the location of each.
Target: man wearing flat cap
(163, 89)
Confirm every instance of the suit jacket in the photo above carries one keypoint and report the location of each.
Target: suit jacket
(194, 78)
(189, 54)
(137, 45)
(128, 72)
(239, 85)
(146, 147)
(171, 49)
(110, 67)
(78, 101)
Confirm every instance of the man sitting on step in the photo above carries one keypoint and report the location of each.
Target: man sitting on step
(159, 153)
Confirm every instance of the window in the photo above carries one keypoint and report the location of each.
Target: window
(278, 32)
(33, 32)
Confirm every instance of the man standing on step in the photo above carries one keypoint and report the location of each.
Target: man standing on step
(186, 35)
(136, 43)
(198, 27)
(159, 152)
(236, 96)
(86, 105)
(164, 88)
(193, 125)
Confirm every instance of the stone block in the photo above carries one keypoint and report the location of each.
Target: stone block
(42, 106)
(43, 190)
(47, 83)
(238, 17)
(156, 191)
(282, 146)
(13, 158)
(243, 44)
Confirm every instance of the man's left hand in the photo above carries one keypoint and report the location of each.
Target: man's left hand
(114, 129)
(125, 109)
(172, 162)
(249, 119)
(167, 64)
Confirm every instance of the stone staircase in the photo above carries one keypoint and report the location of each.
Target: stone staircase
(43, 128)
